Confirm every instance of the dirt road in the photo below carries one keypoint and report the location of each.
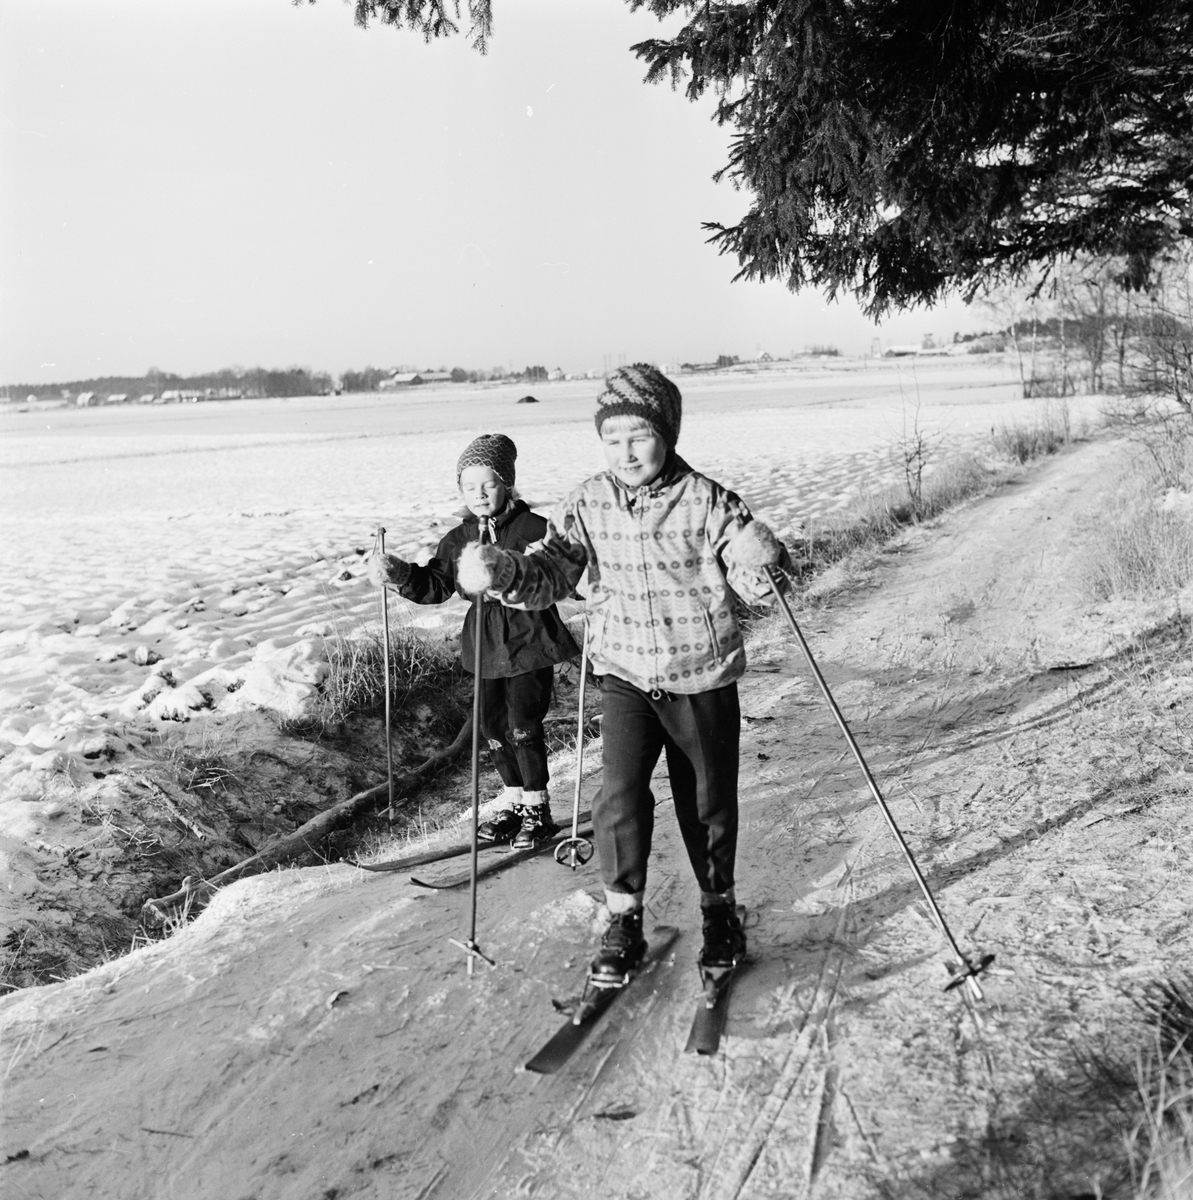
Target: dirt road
(314, 1034)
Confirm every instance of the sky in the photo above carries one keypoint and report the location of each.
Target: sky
(195, 184)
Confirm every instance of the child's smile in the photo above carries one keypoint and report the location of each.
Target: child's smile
(633, 449)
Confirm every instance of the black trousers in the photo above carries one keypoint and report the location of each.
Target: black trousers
(512, 712)
(700, 735)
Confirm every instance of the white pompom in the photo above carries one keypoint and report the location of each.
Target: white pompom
(474, 571)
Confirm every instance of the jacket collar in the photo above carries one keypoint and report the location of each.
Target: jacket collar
(512, 509)
(674, 469)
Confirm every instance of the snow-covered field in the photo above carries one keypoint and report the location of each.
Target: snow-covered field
(159, 562)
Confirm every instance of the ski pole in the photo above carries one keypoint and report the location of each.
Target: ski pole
(389, 747)
(967, 971)
(470, 946)
(577, 850)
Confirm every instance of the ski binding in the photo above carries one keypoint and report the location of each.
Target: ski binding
(594, 1000)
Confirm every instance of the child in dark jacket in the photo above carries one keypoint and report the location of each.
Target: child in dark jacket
(519, 649)
(666, 549)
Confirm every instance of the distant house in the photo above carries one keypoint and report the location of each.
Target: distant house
(904, 351)
(402, 379)
(435, 376)
(147, 398)
(86, 400)
(765, 357)
(117, 398)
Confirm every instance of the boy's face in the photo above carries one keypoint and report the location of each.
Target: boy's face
(483, 492)
(633, 449)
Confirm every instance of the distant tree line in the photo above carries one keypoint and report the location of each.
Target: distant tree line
(1080, 330)
(231, 382)
(251, 381)
(369, 379)
(362, 381)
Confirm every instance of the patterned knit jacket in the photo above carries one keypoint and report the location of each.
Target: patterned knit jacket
(661, 577)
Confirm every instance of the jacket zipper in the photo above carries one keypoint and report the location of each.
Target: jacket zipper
(655, 674)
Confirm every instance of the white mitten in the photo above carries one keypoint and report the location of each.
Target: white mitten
(755, 547)
(387, 568)
(484, 568)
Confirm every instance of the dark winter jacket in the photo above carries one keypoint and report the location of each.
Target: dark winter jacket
(514, 641)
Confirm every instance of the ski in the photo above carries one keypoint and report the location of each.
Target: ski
(455, 850)
(498, 862)
(709, 1022)
(570, 1036)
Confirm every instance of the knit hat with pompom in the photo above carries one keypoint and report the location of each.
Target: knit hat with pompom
(641, 390)
(492, 450)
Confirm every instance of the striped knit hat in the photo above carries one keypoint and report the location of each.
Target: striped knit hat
(492, 450)
(641, 390)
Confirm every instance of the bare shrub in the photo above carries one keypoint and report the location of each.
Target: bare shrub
(879, 514)
(1164, 432)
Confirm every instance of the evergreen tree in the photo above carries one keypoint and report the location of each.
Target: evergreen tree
(900, 148)
(897, 148)
(431, 18)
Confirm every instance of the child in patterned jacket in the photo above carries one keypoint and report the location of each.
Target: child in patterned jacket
(519, 649)
(665, 549)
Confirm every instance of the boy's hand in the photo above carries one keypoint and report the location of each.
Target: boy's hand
(387, 568)
(755, 547)
(484, 568)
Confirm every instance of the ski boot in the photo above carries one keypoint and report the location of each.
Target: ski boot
(724, 948)
(622, 950)
(503, 825)
(537, 825)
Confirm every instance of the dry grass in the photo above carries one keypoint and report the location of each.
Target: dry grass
(1142, 539)
(1024, 443)
(200, 762)
(420, 670)
(1160, 1145)
(417, 832)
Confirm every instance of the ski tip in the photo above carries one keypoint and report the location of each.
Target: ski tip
(372, 867)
